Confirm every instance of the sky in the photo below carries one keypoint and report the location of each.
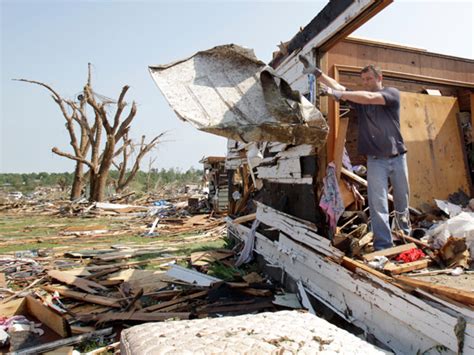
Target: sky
(52, 42)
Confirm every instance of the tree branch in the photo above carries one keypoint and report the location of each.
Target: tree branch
(125, 124)
(120, 106)
(55, 150)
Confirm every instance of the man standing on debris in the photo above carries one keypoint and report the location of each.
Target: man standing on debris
(380, 139)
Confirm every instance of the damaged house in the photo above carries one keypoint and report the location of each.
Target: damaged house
(282, 149)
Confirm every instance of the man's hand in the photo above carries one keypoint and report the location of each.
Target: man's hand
(325, 90)
(308, 67)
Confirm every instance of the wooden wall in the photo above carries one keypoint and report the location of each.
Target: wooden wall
(360, 53)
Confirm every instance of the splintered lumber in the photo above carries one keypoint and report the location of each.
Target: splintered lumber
(81, 296)
(464, 297)
(83, 284)
(359, 180)
(109, 266)
(63, 342)
(202, 258)
(298, 229)
(175, 301)
(357, 247)
(148, 280)
(127, 254)
(395, 269)
(353, 265)
(389, 252)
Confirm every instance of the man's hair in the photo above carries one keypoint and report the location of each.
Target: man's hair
(372, 68)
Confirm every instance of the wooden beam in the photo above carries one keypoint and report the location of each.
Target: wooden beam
(406, 76)
(175, 301)
(83, 284)
(340, 142)
(359, 180)
(389, 252)
(85, 297)
(395, 269)
(464, 297)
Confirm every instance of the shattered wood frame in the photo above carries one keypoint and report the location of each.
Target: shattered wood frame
(378, 304)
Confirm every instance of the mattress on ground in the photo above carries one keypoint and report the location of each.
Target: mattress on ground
(264, 333)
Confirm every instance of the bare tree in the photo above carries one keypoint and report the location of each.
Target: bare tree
(74, 114)
(102, 153)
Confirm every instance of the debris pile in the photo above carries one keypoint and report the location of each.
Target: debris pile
(89, 286)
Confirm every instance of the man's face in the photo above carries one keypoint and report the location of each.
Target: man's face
(371, 81)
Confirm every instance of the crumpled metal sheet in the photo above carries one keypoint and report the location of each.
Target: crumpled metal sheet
(227, 91)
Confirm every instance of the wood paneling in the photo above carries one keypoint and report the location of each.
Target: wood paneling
(400, 59)
(435, 150)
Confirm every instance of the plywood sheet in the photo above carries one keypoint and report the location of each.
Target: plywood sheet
(435, 157)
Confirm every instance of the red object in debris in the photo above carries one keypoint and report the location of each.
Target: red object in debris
(411, 255)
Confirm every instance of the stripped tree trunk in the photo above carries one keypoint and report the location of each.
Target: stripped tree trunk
(89, 138)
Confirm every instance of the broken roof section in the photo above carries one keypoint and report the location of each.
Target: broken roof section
(227, 91)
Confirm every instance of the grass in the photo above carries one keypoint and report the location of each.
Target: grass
(37, 232)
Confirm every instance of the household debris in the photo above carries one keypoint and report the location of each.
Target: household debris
(73, 293)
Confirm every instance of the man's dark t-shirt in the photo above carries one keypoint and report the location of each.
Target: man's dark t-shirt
(379, 126)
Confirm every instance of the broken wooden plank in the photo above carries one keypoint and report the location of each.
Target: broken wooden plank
(156, 307)
(85, 285)
(405, 237)
(395, 269)
(302, 231)
(124, 264)
(48, 317)
(353, 297)
(464, 297)
(390, 251)
(357, 247)
(245, 307)
(201, 258)
(85, 297)
(130, 254)
(353, 265)
(149, 280)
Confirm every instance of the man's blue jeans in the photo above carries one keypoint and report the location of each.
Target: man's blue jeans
(379, 170)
